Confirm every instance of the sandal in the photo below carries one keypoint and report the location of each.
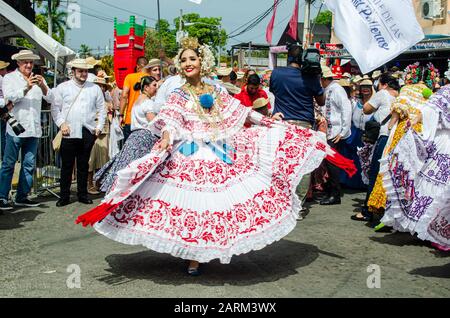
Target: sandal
(355, 217)
(193, 271)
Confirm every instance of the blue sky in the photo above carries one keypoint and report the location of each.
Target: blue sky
(98, 33)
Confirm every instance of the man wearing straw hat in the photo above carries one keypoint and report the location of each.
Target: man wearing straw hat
(74, 110)
(23, 92)
(338, 112)
(3, 70)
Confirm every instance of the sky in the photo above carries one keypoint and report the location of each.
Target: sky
(99, 34)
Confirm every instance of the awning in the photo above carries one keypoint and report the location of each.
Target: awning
(13, 24)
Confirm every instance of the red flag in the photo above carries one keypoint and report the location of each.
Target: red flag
(293, 23)
(269, 30)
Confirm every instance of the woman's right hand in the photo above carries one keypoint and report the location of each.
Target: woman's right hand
(65, 129)
(164, 144)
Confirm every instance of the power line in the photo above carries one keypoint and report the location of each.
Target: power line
(254, 22)
(125, 10)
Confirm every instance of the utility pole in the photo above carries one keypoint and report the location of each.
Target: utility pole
(306, 24)
(160, 39)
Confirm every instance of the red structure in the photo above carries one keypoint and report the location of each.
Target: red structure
(129, 45)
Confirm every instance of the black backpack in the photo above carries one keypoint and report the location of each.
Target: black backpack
(311, 62)
(372, 130)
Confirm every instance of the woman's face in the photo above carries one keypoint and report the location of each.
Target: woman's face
(366, 90)
(151, 89)
(190, 64)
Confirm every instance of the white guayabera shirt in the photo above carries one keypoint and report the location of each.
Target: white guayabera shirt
(89, 103)
(27, 108)
(338, 111)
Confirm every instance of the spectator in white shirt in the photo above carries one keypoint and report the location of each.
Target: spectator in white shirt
(3, 71)
(338, 112)
(23, 92)
(77, 104)
(379, 105)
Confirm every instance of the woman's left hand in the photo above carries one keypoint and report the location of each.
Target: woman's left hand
(278, 116)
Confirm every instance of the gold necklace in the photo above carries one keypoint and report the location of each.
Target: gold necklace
(213, 117)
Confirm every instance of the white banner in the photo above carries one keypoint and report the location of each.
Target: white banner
(375, 31)
(196, 1)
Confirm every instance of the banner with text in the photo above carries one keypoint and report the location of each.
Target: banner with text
(375, 31)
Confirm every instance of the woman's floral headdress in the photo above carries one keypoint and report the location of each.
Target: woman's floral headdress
(206, 56)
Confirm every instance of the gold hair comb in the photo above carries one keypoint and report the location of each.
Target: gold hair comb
(189, 43)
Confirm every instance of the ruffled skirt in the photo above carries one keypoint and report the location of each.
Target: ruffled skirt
(416, 176)
(201, 208)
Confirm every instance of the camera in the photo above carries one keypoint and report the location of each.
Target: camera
(308, 59)
(11, 120)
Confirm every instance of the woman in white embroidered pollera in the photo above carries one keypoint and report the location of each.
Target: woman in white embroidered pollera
(224, 190)
(417, 176)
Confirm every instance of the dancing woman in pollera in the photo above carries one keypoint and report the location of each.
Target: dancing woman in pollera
(210, 188)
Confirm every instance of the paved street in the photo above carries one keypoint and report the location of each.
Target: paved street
(327, 255)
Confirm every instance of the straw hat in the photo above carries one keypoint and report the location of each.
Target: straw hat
(344, 83)
(80, 64)
(357, 79)
(155, 62)
(92, 61)
(224, 71)
(376, 74)
(25, 55)
(347, 75)
(260, 102)
(100, 80)
(232, 89)
(240, 75)
(3, 65)
(366, 82)
(326, 72)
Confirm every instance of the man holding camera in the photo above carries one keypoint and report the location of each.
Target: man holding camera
(74, 110)
(295, 92)
(23, 92)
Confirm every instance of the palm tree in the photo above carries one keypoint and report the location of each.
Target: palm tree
(84, 51)
(59, 21)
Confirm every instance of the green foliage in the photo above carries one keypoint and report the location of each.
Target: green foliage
(206, 29)
(324, 17)
(84, 51)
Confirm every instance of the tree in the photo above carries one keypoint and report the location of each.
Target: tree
(84, 51)
(58, 19)
(207, 30)
(325, 18)
(168, 39)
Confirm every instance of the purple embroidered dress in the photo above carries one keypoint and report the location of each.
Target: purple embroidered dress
(417, 175)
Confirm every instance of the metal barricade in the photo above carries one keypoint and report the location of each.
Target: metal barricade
(48, 163)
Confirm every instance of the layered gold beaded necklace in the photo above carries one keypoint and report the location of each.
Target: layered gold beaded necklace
(213, 116)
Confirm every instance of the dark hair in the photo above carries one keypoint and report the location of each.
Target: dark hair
(233, 76)
(253, 80)
(142, 61)
(146, 80)
(387, 79)
(295, 53)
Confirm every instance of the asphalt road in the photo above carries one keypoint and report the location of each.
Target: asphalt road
(327, 255)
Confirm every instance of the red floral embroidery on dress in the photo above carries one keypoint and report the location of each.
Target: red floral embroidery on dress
(196, 172)
(221, 228)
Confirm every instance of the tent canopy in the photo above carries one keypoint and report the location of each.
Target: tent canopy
(13, 24)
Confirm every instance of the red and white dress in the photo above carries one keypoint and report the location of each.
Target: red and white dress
(198, 206)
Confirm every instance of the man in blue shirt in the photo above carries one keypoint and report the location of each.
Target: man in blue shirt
(294, 98)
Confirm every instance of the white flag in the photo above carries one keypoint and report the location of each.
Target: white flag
(196, 1)
(375, 31)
